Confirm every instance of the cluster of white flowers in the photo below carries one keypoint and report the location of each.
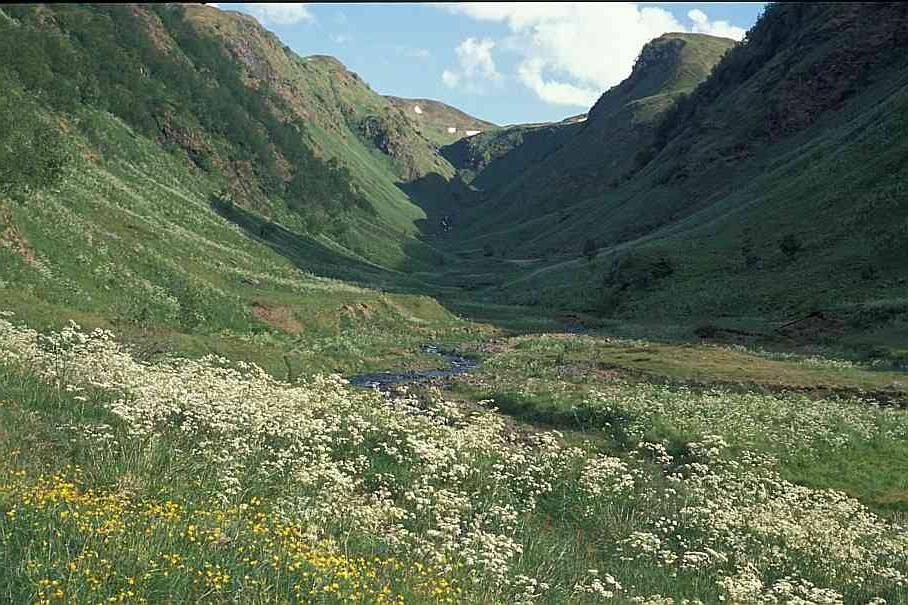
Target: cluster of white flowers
(788, 421)
(605, 586)
(455, 486)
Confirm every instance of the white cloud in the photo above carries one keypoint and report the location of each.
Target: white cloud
(418, 53)
(475, 66)
(450, 78)
(569, 53)
(702, 25)
(558, 93)
(279, 13)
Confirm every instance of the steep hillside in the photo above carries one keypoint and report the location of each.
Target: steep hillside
(440, 123)
(772, 191)
(302, 141)
(320, 89)
(583, 158)
(497, 157)
(151, 183)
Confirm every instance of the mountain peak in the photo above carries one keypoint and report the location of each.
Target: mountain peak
(673, 62)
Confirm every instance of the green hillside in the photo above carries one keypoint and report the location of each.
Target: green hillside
(162, 192)
(280, 131)
(751, 197)
(583, 158)
(492, 159)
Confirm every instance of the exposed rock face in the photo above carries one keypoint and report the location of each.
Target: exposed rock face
(387, 137)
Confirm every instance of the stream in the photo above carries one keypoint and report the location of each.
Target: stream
(457, 364)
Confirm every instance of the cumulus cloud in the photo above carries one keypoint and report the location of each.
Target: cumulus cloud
(569, 53)
(279, 13)
(475, 66)
(560, 93)
(702, 25)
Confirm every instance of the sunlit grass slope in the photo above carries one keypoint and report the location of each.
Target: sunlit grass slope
(129, 239)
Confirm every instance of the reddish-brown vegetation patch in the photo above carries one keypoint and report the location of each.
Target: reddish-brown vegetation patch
(278, 317)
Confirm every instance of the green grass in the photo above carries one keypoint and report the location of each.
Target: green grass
(613, 389)
(156, 511)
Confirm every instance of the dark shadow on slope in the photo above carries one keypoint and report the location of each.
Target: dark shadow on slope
(312, 256)
(443, 201)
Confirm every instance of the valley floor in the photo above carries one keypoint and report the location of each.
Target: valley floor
(566, 467)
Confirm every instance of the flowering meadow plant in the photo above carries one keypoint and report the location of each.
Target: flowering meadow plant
(209, 480)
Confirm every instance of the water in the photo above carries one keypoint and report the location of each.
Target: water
(458, 364)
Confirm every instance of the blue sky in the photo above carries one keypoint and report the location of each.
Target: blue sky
(504, 62)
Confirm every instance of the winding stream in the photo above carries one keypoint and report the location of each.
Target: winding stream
(458, 364)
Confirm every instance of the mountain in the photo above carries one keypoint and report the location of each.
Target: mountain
(492, 159)
(584, 157)
(440, 123)
(300, 140)
(175, 172)
(770, 190)
(155, 156)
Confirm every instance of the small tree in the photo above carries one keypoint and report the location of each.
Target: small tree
(488, 250)
(33, 154)
(590, 249)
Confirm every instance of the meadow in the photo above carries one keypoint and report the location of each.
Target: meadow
(203, 237)
(540, 478)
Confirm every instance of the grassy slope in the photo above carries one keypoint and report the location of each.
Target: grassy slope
(128, 240)
(335, 103)
(595, 154)
(758, 155)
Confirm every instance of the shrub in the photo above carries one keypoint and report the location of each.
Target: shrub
(32, 154)
(706, 330)
(790, 246)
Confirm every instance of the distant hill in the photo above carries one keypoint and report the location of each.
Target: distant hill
(440, 123)
(495, 158)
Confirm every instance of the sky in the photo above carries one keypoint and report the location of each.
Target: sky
(507, 63)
